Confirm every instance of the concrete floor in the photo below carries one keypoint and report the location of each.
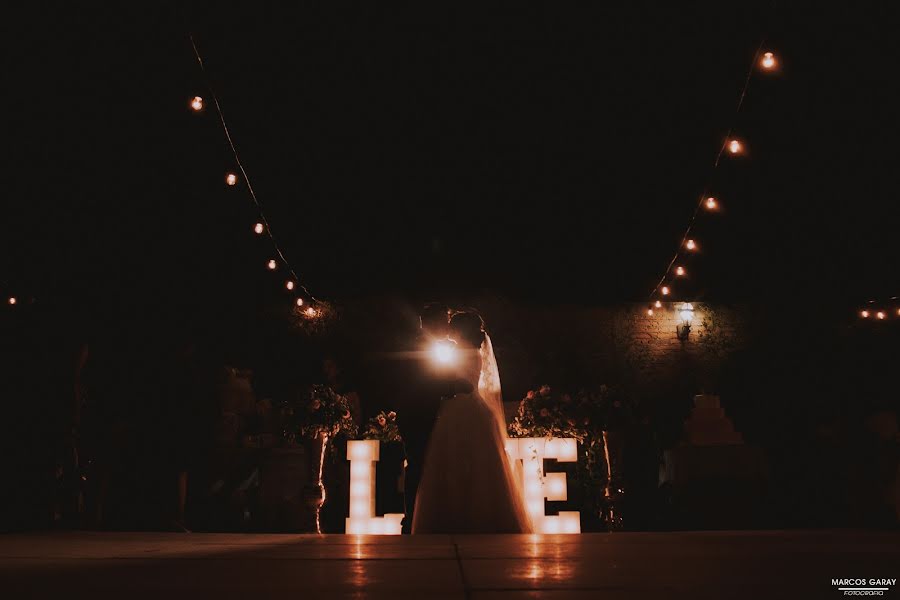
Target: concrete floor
(758, 565)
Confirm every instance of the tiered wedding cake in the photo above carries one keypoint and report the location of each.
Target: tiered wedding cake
(708, 425)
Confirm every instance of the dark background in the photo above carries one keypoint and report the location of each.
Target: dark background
(533, 152)
(545, 156)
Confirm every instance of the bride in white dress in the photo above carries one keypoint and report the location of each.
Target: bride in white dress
(468, 484)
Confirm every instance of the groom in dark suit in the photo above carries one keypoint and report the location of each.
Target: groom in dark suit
(423, 387)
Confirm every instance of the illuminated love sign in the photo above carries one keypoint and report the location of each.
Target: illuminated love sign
(528, 456)
(363, 454)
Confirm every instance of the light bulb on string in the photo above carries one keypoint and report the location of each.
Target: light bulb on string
(880, 315)
(690, 245)
(272, 265)
(259, 228)
(289, 284)
(310, 312)
(197, 103)
(735, 146)
(657, 304)
(768, 61)
(711, 203)
(649, 312)
(680, 271)
(12, 300)
(231, 179)
(864, 314)
(300, 302)
(665, 290)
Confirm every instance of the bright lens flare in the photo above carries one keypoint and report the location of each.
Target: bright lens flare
(768, 61)
(443, 352)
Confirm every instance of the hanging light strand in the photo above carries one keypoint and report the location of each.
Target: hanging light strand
(267, 229)
(881, 309)
(727, 142)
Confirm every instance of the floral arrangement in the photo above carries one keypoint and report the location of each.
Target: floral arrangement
(327, 412)
(546, 413)
(383, 427)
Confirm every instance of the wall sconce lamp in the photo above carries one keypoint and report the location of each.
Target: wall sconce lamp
(687, 316)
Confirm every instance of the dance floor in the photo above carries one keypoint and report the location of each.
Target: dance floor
(758, 565)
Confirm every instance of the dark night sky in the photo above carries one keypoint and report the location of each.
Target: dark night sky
(536, 153)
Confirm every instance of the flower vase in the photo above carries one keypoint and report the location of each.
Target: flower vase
(314, 491)
(612, 491)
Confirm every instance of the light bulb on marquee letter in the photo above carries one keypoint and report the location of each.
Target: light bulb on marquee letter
(363, 454)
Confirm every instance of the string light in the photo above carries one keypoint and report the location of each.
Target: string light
(289, 284)
(733, 146)
(864, 314)
(300, 302)
(880, 315)
(310, 312)
(657, 304)
(12, 300)
(665, 290)
(232, 178)
(680, 271)
(649, 312)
